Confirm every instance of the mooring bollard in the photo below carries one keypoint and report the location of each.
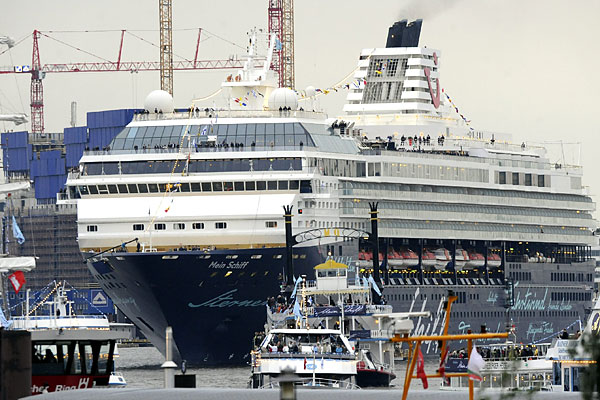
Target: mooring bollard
(287, 387)
(169, 366)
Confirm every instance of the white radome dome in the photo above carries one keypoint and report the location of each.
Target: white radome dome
(283, 97)
(159, 100)
(310, 91)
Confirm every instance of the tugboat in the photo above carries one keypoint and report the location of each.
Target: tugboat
(340, 298)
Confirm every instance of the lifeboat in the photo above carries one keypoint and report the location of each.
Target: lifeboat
(409, 258)
(460, 257)
(493, 260)
(428, 259)
(394, 258)
(365, 259)
(476, 260)
(442, 258)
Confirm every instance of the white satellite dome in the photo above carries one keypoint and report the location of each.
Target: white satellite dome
(310, 91)
(283, 97)
(159, 100)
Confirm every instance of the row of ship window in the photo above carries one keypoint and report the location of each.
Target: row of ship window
(470, 226)
(570, 277)
(349, 206)
(349, 187)
(264, 134)
(179, 226)
(185, 187)
(570, 296)
(192, 166)
(516, 179)
(427, 171)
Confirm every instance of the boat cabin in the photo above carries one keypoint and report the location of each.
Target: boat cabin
(71, 359)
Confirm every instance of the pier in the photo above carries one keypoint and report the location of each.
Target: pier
(272, 394)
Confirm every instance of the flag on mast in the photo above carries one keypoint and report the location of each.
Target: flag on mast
(17, 234)
(17, 279)
(476, 363)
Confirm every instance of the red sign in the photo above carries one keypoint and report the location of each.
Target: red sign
(58, 383)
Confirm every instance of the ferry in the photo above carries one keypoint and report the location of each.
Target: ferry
(181, 222)
(340, 298)
(317, 357)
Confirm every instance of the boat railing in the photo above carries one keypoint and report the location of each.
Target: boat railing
(216, 114)
(333, 356)
(316, 383)
(185, 150)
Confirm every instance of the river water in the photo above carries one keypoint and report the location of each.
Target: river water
(141, 368)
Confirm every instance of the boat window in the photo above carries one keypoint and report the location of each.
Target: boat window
(138, 227)
(92, 228)
(238, 186)
(198, 225)
(93, 189)
(195, 187)
(294, 185)
(261, 185)
(250, 185)
(122, 188)
(160, 227)
(228, 186)
(217, 186)
(153, 188)
(184, 187)
(178, 226)
(272, 185)
(206, 187)
(305, 187)
(283, 185)
(83, 190)
(220, 225)
(271, 224)
(143, 188)
(112, 189)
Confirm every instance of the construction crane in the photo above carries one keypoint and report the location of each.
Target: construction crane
(38, 71)
(165, 8)
(281, 24)
(18, 119)
(7, 40)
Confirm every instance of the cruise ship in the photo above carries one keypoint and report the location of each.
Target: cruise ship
(181, 218)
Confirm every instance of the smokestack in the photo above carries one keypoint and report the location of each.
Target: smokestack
(404, 34)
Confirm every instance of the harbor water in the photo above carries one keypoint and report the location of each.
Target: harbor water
(141, 368)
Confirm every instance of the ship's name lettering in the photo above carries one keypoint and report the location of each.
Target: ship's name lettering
(226, 300)
(529, 303)
(230, 265)
(561, 306)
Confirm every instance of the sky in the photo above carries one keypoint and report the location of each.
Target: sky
(524, 67)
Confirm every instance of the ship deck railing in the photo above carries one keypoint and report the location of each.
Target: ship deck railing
(316, 383)
(318, 355)
(204, 113)
(198, 149)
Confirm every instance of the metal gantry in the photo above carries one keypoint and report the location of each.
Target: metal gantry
(37, 89)
(166, 45)
(281, 24)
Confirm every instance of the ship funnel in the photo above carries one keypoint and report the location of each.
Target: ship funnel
(404, 34)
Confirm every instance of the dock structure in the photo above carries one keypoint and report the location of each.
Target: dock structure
(273, 394)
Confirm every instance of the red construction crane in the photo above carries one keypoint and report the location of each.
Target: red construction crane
(281, 23)
(38, 72)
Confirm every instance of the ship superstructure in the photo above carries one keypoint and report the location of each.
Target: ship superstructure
(202, 191)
